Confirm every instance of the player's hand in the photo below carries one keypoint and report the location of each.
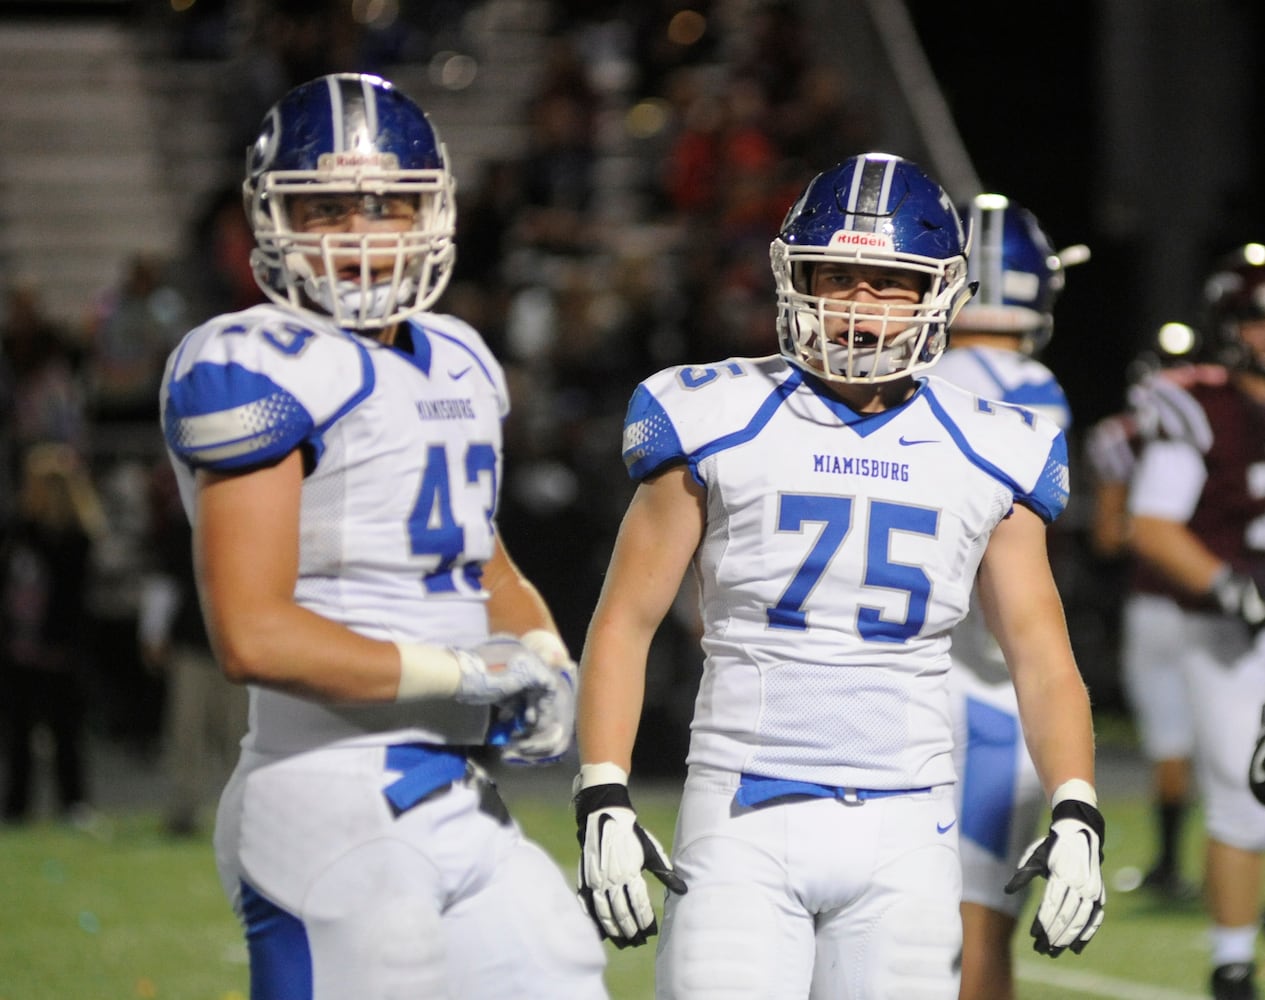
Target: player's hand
(1238, 595)
(499, 670)
(1070, 859)
(614, 850)
(543, 730)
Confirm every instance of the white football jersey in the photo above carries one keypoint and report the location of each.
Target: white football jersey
(1018, 380)
(840, 550)
(403, 455)
(1007, 376)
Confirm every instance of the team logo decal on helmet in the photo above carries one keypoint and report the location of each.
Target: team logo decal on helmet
(876, 210)
(352, 135)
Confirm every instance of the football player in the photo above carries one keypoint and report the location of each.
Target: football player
(992, 353)
(1197, 504)
(836, 506)
(1152, 623)
(339, 453)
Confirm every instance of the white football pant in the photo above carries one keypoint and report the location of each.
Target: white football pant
(816, 898)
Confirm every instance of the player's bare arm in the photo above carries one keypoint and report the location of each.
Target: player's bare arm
(1019, 596)
(514, 604)
(1176, 552)
(247, 544)
(657, 538)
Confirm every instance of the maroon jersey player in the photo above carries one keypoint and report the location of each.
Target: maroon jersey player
(1197, 504)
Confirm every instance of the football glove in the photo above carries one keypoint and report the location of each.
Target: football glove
(1238, 595)
(1256, 769)
(614, 850)
(500, 670)
(544, 724)
(1069, 857)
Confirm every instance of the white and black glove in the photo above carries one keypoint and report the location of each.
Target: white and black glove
(543, 726)
(1238, 595)
(1069, 857)
(614, 850)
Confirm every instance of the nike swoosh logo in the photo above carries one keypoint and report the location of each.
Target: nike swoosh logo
(460, 374)
(907, 442)
(946, 827)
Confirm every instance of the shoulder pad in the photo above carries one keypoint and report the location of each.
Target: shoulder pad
(680, 413)
(248, 388)
(1167, 405)
(1008, 376)
(1019, 447)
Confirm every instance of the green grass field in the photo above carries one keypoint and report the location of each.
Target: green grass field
(128, 913)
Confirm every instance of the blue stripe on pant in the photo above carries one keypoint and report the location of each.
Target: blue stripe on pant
(280, 957)
(988, 781)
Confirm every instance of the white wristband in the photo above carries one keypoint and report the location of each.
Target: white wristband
(605, 773)
(427, 672)
(548, 646)
(1075, 788)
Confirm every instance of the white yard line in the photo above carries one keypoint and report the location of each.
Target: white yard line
(1094, 984)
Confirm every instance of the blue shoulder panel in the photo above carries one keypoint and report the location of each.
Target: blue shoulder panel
(650, 440)
(1050, 494)
(229, 417)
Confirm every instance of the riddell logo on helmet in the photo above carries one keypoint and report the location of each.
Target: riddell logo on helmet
(850, 239)
(352, 160)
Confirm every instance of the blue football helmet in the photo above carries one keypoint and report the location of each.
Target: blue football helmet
(1017, 269)
(351, 134)
(877, 210)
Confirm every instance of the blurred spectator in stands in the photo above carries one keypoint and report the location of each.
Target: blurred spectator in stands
(44, 563)
(44, 364)
(688, 173)
(671, 34)
(824, 124)
(133, 327)
(204, 716)
(558, 175)
(479, 291)
(216, 276)
(775, 50)
(287, 42)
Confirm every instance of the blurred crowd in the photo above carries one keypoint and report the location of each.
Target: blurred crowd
(580, 289)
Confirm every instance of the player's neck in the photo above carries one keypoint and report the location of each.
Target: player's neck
(872, 397)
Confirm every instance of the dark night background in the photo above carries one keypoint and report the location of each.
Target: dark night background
(1134, 126)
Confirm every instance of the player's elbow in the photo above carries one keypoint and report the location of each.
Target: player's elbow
(244, 652)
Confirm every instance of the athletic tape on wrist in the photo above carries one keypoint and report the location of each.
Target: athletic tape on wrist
(1075, 788)
(427, 672)
(604, 773)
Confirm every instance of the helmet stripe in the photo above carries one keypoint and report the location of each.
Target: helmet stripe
(869, 194)
(353, 110)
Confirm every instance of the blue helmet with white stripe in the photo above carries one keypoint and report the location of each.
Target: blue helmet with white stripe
(876, 210)
(1017, 269)
(352, 134)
